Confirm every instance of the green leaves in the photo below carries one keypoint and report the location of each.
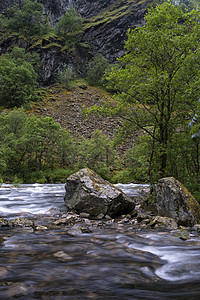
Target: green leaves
(70, 25)
(158, 78)
(17, 79)
(27, 19)
(35, 147)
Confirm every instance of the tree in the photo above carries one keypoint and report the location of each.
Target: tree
(96, 153)
(17, 79)
(70, 25)
(27, 19)
(157, 82)
(96, 70)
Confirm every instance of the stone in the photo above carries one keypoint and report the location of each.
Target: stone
(163, 222)
(184, 234)
(173, 200)
(196, 227)
(87, 192)
(17, 222)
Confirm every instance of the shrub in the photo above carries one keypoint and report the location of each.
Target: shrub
(17, 81)
(96, 69)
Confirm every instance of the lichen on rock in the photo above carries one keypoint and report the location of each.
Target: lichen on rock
(173, 200)
(87, 192)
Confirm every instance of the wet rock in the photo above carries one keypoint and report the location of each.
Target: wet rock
(173, 200)
(69, 220)
(184, 234)
(86, 229)
(87, 192)
(84, 215)
(62, 255)
(41, 227)
(1, 239)
(163, 222)
(196, 227)
(17, 222)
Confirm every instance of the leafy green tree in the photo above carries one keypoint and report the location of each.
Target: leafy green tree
(70, 27)
(96, 153)
(158, 78)
(27, 19)
(69, 23)
(17, 79)
(3, 22)
(96, 69)
(12, 141)
(185, 4)
(66, 76)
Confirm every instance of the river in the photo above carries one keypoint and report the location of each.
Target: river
(111, 261)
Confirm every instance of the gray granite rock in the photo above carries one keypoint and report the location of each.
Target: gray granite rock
(173, 200)
(87, 192)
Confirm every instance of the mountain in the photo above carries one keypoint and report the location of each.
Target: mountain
(105, 26)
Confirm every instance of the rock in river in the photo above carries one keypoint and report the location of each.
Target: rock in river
(176, 202)
(87, 192)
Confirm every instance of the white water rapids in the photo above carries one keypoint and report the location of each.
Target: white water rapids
(113, 261)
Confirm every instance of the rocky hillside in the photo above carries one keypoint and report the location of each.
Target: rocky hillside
(67, 108)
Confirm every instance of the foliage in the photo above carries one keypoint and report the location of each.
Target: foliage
(66, 76)
(185, 4)
(96, 153)
(27, 19)
(38, 149)
(3, 22)
(69, 26)
(96, 69)
(158, 78)
(17, 79)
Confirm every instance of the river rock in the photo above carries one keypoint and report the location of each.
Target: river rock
(163, 222)
(173, 200)
(17, 222)
(87, 192)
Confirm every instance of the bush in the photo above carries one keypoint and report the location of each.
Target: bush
(96, 69)
(66, 76)
(69, 25)
(28, 19)
(17, 80)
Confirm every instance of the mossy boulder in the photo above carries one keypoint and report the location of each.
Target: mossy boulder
(87, 192)
(173, 200)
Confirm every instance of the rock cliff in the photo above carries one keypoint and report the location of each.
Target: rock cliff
(105, 26)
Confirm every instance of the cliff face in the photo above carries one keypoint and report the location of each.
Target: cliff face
(105, 26)
(56, 8)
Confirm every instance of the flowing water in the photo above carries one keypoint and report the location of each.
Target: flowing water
(113, 261)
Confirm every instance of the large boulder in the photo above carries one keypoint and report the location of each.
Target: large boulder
(87, 192)
(173, 200)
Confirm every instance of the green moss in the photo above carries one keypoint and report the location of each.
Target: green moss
(191, 201)
(117, 10)
(52, 45)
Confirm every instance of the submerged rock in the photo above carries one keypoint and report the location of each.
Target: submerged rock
(17, 222)
(173, 200)
(87, 192)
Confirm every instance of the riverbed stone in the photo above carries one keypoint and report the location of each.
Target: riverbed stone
(173, 200)
(163, 222)
(17, 222)
(87, 192)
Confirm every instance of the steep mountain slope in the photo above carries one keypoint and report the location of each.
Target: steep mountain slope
(67, 108)
(105, 21)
